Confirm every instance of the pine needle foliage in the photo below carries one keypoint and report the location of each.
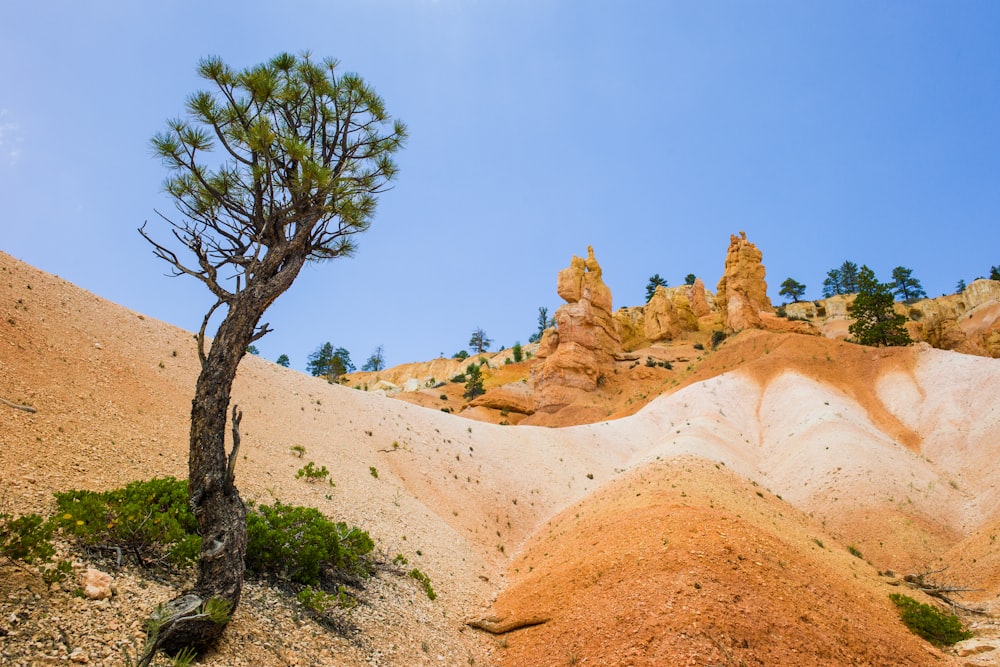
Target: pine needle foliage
(876, 322)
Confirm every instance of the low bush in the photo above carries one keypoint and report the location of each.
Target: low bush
(425, 582)
(936, 626)
(303, 546)
(27, 538)
(152, 521)
(149, 520)
(312, 473)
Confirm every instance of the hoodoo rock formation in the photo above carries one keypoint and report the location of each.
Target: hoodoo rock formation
(742, 291)
(585, 341)
(699, 298)
(668, 314)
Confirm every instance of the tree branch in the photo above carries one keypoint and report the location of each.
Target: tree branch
(227, 484)
(17, 406)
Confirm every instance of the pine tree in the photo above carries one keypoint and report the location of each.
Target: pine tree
(876, 322)
(831, 284)
(793, 289)
(273, 166)
(906, 287)
(479, 341)
(375, 362)
(654, 281)
(473, 382)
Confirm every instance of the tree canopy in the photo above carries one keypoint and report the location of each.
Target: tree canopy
(876, 322)
(792, 288)
(654, 281)
(479, 341)
(905, 286)
(842, 280)
(376, 361)
(544, 322)
(329, 362)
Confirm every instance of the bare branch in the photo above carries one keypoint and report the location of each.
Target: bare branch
(230, 478)
(922, 582)
(17, 406)
(202, 357)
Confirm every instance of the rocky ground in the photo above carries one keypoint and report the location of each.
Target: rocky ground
(707, 526)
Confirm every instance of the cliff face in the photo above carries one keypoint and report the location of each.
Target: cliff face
(968, 322)
(585, 341)
(742, 291)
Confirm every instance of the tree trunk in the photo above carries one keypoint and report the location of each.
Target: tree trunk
(214, 498)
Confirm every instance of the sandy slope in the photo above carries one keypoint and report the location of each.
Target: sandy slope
(890, 451)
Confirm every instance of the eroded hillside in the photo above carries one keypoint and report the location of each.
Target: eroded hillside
(747, 470)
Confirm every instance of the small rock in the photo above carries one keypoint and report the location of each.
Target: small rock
(96, 584)
(79, 655)
(975, 647)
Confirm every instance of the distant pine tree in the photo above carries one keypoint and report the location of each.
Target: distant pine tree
(876, 322)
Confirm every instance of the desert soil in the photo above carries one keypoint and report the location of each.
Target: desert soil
(706, 521)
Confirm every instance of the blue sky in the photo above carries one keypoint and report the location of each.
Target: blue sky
(828, 131)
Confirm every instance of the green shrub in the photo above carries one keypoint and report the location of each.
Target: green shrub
(150, 520)
(312, 473)
(717, 338)
(300, 544)
(320, 602)
(425, 582)
(936, 626)
(26, 538)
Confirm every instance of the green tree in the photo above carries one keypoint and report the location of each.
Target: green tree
(518, 352)
(654, 281)
(473, 381)
(960, 286)
(544, 322)
(995, 273)
(252, 349)
(905, 286)
(690, 278)
(329, 362)
(272, 166)
(792, 288)
(849, 278)
(461, 354)
(479, 341)
(283, 360)
(842, 280)
(832, 284)
(375, 362)
(876, 322)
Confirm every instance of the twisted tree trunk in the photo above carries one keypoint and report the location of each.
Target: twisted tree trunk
(214, 499)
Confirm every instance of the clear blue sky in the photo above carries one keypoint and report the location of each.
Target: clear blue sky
(828, 131)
